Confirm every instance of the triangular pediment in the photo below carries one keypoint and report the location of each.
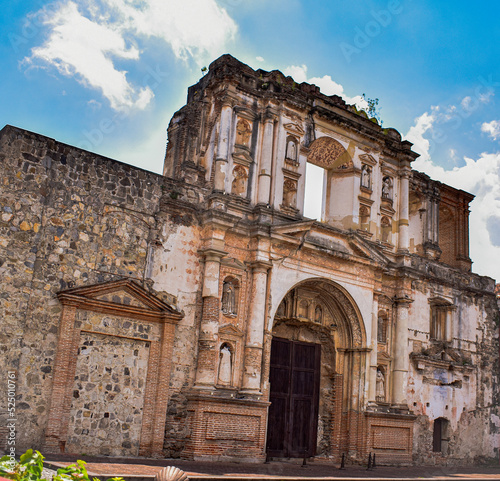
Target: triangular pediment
(230, 329)
(242, 157)
(294, 229)
(368, 159)
(330, 239)
(383, 356)
(359, 244)
(124, 296)
(294, 128)
(121, 297)
(232, 262)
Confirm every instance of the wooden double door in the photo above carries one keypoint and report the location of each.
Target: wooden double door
(294, 395)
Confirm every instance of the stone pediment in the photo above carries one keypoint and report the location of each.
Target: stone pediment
(231, 330)
(367, 249)
(294, 128)
(383, 357)
(294, 229)
(368, 159)
(123, 297)
(342, 244)
(232, 262)
(242, 157)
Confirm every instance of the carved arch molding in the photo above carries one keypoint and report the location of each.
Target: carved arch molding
(308, 299)
(328, 153)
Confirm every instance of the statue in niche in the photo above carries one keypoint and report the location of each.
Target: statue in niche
(364, 215)
(243, 133)
(291, 150)
(366, 173)
(380, 388)
(289, 193)
(318, 314)
(225, 365)
(304, 309)
(239, 184)
(281, 312)
(228, 298)
(386, 188)
(385, 224)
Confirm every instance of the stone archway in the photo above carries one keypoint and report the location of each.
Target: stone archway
(320, 316)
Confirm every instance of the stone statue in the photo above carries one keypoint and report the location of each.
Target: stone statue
(228, 298)
(225, 365)
(318, 314)
(386, 188)
(365, 176)
(290, 193)
(380, 389)
(243, 133)
(291, 150)
(239, 184)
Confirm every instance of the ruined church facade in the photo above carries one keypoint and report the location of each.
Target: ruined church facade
(200, 314)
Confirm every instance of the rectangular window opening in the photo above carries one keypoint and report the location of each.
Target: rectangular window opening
(314, 201)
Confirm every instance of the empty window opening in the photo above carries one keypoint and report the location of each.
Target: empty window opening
(314, 193)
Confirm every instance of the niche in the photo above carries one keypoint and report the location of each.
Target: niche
(243, 133)
(230, 294)
(240, 181)
(226, 361)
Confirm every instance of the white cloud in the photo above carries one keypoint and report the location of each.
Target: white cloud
(416, 135)
(326, 84)
(492, 129)
(480, 177)
(82, 48)
(259, 59)
(86, 38)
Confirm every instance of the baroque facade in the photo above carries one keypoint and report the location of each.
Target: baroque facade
(200, 314)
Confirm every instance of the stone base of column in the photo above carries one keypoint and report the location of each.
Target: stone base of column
(207, 362)
(252, 372)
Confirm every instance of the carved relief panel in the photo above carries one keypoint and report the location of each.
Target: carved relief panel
(305, 305)
(239, 184)
(243, 133)
(289, 193)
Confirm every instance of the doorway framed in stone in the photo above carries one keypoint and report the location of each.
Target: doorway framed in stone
(294, 396)
(321, 314)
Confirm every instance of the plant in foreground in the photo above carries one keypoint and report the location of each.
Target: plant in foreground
(30, 468)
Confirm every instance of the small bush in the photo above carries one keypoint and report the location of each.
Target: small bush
(30, 468)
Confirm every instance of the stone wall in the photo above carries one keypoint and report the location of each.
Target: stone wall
(68, 218)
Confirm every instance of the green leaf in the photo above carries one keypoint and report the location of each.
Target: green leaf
(26, 456)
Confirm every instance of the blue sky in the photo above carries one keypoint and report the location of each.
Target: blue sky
(107, 75)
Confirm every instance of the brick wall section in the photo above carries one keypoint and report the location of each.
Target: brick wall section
(226, 430)
(390, 437)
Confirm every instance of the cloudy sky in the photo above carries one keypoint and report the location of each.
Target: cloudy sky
(107, 75)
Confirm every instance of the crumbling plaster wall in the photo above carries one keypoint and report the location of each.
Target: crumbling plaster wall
(456, 379)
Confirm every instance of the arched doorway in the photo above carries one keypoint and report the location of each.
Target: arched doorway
(317, 367)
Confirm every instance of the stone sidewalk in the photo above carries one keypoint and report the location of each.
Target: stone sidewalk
(145, 470)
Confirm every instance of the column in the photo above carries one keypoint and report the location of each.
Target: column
(266, 161)
(372, 380)
(223, 147)
(436, 220)
(404, 210)
(429, 220)
(209, 326)
(401, 351)
(252, 369)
